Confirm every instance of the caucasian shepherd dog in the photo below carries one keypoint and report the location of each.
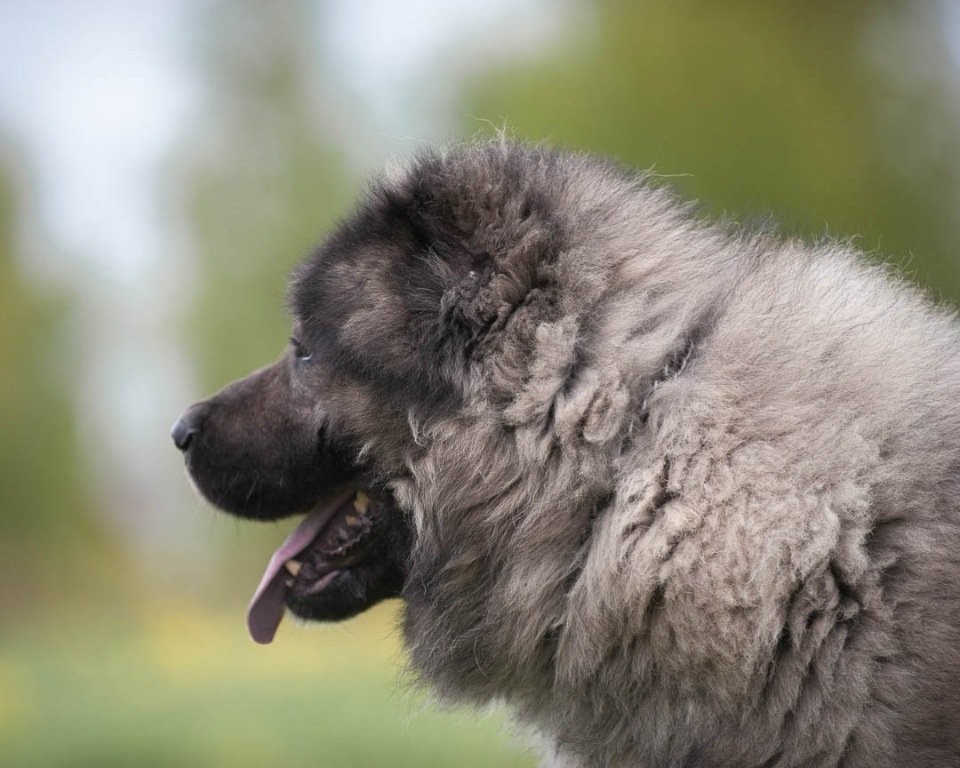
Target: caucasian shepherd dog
(680, 494)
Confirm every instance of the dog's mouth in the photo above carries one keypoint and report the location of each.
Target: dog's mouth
(332, 538)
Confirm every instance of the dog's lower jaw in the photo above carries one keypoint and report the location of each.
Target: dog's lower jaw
(332, 586)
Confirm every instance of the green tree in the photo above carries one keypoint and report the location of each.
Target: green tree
(837, 118)
(44, 502)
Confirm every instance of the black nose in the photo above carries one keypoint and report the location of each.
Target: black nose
(188, 425)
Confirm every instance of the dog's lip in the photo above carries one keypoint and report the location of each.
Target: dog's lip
(267, 605)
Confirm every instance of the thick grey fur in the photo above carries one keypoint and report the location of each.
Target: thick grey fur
(698, 502)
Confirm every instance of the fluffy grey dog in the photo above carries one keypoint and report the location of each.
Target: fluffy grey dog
(680, 494)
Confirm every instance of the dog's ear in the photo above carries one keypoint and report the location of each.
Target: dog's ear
(468, 306)
(480, 290)
(485, 245)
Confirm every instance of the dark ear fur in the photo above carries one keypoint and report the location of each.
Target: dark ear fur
(464, 315)
(484, 239)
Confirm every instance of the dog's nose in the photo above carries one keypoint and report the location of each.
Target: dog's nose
(187, 426)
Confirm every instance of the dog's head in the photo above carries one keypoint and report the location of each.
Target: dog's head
(394, 318)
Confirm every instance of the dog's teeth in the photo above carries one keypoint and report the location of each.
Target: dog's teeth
(293, 567)
(361, 502)
(351, 521)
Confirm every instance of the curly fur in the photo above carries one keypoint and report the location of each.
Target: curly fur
(749, 561)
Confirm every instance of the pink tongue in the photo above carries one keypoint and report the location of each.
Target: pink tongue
(266, 607)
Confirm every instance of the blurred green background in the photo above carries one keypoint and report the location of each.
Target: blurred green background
(162, 167)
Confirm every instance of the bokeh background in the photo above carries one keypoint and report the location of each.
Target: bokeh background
(163, 164)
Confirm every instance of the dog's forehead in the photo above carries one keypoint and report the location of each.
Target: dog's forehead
(344, 276)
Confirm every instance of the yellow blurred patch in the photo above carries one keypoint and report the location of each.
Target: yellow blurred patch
(189, 644)
(15, 700)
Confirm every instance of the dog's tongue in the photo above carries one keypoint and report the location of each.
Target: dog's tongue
(266, 607)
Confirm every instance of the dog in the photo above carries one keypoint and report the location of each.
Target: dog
(680, 493)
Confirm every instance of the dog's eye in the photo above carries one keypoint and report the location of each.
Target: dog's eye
(299, 350)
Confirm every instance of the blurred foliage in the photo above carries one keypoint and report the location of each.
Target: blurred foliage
(836, 118)
(261, 182)
(44, 502)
